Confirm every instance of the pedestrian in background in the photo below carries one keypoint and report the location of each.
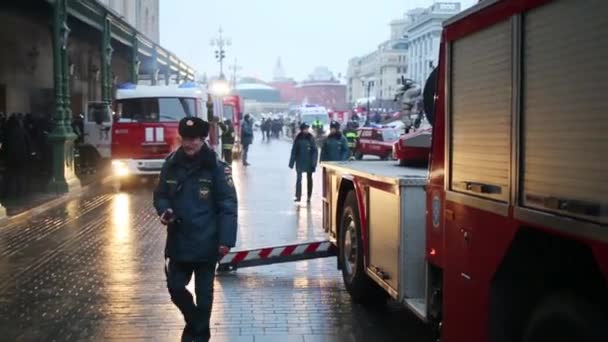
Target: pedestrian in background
(246, 137)
(196, 199)
(304, 156)
(335, 146)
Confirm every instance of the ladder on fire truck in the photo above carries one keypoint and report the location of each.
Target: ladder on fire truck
(276, 255)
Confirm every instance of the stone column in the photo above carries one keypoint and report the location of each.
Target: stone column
(154, 74)
(135, 61)
(61, 138)
(167, 73)
(106, 61)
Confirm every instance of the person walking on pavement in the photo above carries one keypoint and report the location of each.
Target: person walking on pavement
(304, 156)
(335, 146)
(246, 137)
(196, 199)
(227, 140)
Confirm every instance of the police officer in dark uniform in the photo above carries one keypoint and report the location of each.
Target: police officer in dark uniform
(304, 157)
(227, 140)
(335, 146)
(196, 199)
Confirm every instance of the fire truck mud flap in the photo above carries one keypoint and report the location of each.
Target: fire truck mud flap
(276, 255)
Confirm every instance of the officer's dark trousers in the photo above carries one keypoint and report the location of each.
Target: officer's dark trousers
(178, 276)
(299, 184)
(227, 155)
(16, 180)
(245, 153)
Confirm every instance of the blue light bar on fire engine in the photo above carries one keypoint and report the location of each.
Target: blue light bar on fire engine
(188, 85)
(127, 86)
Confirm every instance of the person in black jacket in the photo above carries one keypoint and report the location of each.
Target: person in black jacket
(196, 199)
(335, 146)
(227, 140)
(16, 148)
(304, 156)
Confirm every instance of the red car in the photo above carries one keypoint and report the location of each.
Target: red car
(413, 148)
(376, 141)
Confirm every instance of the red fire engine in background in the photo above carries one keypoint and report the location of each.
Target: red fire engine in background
(504, 236)
(144, 129)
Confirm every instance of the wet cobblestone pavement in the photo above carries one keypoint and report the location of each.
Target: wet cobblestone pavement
(92, 270)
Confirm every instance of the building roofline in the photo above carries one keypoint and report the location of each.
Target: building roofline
(473, 9)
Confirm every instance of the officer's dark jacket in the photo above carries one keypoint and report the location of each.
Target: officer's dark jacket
(246, 132)
(304, 153)
(201, 193)
(335, 148)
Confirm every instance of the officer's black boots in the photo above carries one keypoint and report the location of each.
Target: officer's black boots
(187, 334)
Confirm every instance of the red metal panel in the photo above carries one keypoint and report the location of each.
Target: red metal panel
(361, 193)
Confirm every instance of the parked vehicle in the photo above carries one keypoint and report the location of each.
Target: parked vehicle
(145, 127)
(376, 141)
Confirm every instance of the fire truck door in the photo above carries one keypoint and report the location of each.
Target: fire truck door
(97, 125)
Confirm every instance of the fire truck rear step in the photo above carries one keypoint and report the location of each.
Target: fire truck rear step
(418, 306)
(276, 255)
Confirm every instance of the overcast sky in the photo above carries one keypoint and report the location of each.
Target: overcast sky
(305, 34)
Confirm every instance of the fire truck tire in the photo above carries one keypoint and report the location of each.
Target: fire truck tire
(358, 155)
(564, 317)
(358, 284)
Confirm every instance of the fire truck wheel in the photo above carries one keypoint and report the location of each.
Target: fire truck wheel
(360, 287)
(358, 155)
(564, 317)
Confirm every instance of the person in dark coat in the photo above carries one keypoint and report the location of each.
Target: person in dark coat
(246, 137)
(335, 146)
(196, 199)
(16, 148)
(227, 140)
(266, 126)
(304, 156)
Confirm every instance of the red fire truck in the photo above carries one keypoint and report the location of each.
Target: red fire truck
(504, 237)
(145, 125)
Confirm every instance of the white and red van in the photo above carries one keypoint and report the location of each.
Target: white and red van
(145, 126)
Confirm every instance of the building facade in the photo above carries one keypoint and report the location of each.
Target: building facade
(411, 52)
(51, 72)
(141, 14)
(423, 33)
(377, 76)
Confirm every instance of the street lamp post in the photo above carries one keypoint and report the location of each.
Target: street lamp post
(220, 52)
(369, 89)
